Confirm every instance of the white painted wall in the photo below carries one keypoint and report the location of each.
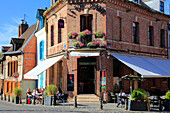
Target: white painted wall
(154, 4)
(41, 35)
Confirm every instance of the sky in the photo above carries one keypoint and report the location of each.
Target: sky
(13, 11)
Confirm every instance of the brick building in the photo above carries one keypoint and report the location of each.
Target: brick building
(135, 35)
(19, 59)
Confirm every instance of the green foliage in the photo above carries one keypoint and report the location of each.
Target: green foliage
(100, 34)
(0, 54)
(82, 34)
(52, 89)
(167, 96)
(139, 94)
(17, 92)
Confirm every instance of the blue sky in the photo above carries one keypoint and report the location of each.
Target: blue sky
(12, 12)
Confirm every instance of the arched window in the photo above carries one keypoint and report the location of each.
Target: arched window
(60, 25)
(41, 50)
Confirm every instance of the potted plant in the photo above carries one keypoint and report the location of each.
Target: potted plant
(13, 98)
(139, 100)
(78, 44)
(72, 35)
(17, 92)
(93, 44)
(85, 33)
(51, 91)
(167, 101)
(99, 34)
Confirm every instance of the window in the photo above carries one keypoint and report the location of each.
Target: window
(59, 35)
(86, 22)
(162, 38)
(150, 35)
(135, 1)
(120, 28)
(52, 35)
(41, 50)
(136, 32)
(52, 74)
(12, 68)
(161, 6)
(115, 68)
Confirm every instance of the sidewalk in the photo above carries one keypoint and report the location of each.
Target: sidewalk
(94, 107)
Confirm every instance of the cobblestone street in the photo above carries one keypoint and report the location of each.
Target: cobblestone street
(8, 107)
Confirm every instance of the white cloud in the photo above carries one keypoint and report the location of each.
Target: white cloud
(7, 31)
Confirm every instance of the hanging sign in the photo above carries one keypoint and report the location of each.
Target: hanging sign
(60, 23)
(16, 75)
(70, 82)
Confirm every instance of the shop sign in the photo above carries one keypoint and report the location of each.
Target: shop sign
(16, 75)
(93, 6)
(70, 82)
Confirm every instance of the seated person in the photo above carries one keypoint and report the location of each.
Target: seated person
(39, 94)
(59, 92)
(29, 93)
(121, 95)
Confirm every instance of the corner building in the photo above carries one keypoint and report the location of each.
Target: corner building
(132, 30)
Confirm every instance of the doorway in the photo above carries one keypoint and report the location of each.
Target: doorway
(86, 76)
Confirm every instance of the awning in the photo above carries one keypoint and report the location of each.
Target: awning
(147, 67)
(88, 53)
(42, 66)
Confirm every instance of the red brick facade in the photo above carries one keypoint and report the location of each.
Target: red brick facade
(117, 22)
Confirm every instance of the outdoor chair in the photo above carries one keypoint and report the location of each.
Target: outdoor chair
(113, 97)
(154, 100)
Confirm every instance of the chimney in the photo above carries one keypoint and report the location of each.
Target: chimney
(22, 28)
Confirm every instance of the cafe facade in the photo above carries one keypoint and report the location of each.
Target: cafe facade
(135, 36)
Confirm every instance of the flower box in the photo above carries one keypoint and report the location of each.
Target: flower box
(72, 35)
(99, 34)
(138, 106)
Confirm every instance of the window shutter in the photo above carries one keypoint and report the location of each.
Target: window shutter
(13, 68)
(16, 66)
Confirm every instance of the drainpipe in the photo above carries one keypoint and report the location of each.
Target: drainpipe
(22, 69)
(168, 34)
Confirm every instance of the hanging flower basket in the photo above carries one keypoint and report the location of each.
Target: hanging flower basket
(85, 33)
(99, 34)
(93, 44)
(78, 44)
(72, 35)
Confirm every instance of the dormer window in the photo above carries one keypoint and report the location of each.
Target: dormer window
(161, 6)
(137, 1)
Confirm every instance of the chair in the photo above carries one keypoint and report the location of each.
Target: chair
(113, 97)
(154, 100)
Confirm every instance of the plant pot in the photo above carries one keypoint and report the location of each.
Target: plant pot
(48, 100)
(72, 37)
(138, 106)
(94, 46)
(98, 36)
(166, 104)
(16, 100)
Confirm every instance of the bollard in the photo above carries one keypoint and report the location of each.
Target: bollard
(20, 100)
(160, 105)
(26, 100)
(34, 100)
(54, 100)
(5, 97)
(101, 103)
(75, 102)
(43, 101)
(8, 98)
(1, 97)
